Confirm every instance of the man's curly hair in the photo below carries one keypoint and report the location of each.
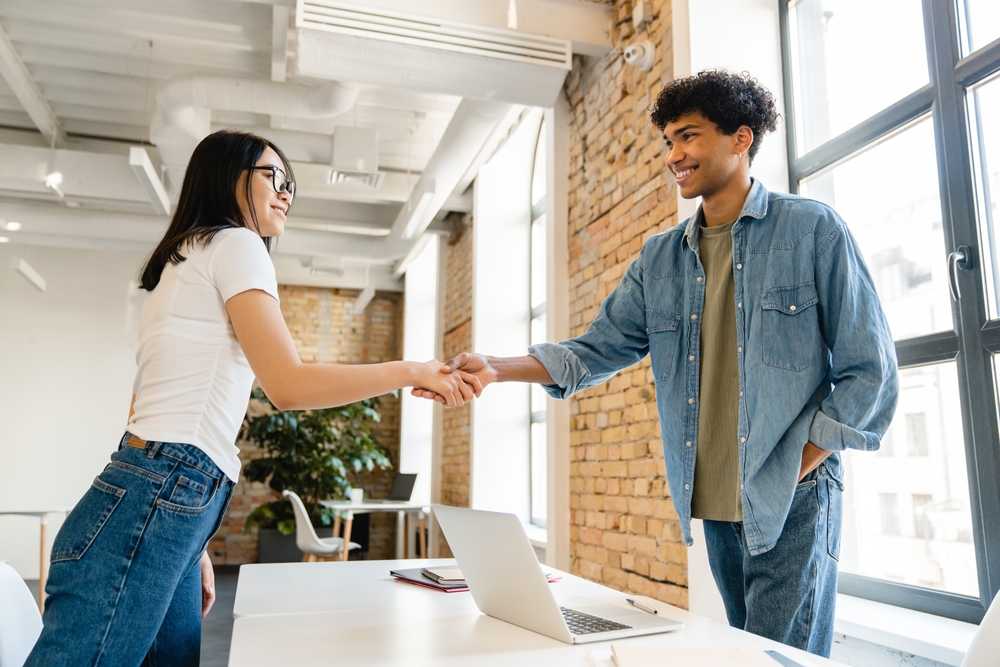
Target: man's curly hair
(729, 100)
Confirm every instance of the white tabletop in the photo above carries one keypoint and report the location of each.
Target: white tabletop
(353, 613)
(368, 506)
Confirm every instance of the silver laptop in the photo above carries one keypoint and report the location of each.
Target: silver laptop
(507, 582)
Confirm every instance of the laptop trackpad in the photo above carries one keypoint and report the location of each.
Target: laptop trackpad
(613, 612)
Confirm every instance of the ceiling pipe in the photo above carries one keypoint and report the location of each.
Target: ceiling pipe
(183, 115)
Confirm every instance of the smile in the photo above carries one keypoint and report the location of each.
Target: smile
(684, 173)
(280, 210)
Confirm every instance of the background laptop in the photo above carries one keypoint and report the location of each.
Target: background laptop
(402, 488)
(507, 582)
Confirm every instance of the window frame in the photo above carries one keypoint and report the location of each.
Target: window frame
(975, 337)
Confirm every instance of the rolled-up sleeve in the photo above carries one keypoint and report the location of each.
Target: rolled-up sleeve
(863, 356)
(616, 340)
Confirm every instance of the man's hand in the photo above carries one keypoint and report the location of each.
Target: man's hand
(471, 367)
(812, 456)
(207, 584)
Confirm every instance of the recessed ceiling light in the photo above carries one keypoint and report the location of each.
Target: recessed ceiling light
(4, 239)
(13, 226)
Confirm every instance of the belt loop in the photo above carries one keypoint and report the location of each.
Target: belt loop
(153, 448)
(124, 440)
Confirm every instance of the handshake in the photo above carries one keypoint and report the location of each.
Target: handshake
(456, 382)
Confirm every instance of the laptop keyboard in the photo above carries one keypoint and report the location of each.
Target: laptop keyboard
(585, 624)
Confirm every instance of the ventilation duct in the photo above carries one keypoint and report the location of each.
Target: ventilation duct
(359, 21)
(355, 158)
(183, 115)
(339, 40)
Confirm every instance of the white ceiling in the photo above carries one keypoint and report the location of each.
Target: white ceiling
(98, 64)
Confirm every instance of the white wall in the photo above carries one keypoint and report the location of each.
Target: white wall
(67, 361)
(419, 344)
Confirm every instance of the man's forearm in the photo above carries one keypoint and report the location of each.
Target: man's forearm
(520, 369)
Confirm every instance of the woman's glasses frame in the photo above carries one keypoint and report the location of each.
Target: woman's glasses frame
(282, 184)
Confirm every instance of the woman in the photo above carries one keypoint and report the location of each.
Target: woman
(129, 571)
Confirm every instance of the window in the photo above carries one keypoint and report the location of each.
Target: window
(916, 434)
(901, 137)
(890, 513)
(538, 454)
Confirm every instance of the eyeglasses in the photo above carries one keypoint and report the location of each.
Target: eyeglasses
(280, 181)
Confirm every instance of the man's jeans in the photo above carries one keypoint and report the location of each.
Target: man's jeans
(788, 593)
(125, 583)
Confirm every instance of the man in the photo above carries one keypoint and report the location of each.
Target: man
(753, 312)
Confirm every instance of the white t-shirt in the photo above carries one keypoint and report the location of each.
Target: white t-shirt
(193, 382)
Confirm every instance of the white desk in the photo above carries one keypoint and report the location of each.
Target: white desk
(355, 614)
(347, 510)
(43, 570)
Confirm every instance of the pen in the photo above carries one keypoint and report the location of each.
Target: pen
(645, 607)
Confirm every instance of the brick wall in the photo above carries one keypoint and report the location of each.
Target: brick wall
(624, 530)
(324, 330)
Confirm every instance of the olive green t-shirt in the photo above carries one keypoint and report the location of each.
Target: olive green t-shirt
(717, 463)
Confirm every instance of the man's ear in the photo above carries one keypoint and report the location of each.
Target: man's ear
(744, 139)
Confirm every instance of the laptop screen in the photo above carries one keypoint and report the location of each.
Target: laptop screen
(402, 486)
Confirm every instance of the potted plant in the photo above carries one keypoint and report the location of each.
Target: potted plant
(310, 452)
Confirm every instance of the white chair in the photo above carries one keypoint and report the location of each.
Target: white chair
(985, 648)
(310, 544)
(20, 623)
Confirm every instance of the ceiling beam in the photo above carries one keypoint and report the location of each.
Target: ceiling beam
(279, 42)
(16, 75)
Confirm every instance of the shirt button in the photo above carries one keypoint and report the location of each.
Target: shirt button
(690, 401)
(694, 317)
(739, 349)
(743, 439)
(698, 278)
(739, 305)
(741, 393)
(739, 266)
(741, 487)
(791, 308)
(688, 443)
(687, 486)
(691, 358)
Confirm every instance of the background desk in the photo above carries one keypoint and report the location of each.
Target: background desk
(43, 564)
(355, 614)
(347, 509)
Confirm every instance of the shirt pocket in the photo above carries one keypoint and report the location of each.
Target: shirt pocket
(791, 326)
(662, 329)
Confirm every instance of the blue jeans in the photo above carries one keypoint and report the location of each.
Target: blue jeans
(124, 587)
(789, 593)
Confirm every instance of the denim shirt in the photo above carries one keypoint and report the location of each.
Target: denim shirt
(808, 321)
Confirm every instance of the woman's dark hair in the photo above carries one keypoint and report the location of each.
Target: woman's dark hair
(728, 100)
(208, 202)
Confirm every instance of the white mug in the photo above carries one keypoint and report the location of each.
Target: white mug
(357, 496)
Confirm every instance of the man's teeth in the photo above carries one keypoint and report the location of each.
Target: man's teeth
(682, 173)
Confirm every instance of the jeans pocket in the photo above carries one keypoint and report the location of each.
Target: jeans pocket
(191, 492)
(834, 510)
(84, 523)
(791, 327)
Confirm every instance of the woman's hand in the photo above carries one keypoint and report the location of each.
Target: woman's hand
(452, 389)
(207, 584)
